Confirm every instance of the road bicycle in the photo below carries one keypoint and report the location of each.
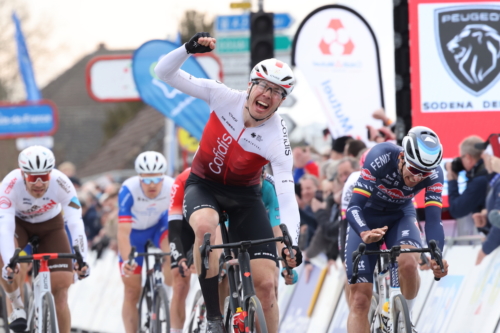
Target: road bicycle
(42, 315)
(153, 304)
(242, 298)
(389, 310)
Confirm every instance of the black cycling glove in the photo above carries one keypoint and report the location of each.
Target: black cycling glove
(193, 47)
(298, 255)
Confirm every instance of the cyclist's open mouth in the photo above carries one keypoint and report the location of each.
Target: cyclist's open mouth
(261, 106)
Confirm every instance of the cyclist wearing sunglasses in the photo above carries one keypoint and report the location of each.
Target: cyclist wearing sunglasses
(143, 211)
(243, 134)
(38, 200)
(381, 207)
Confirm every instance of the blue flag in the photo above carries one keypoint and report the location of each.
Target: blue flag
(187, 112)
(32, 91)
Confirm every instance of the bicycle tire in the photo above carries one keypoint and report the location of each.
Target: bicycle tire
(4, 319)
(160, 318)
(198, 318)
(144, 308)
(255, 312)
(401, 315)
(27, 295)
(228, 315)
(49, 319)
(372, 313)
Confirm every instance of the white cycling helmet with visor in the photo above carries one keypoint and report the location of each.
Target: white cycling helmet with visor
(274, 71)
(150, 162)
(422, 148)
(36, 160)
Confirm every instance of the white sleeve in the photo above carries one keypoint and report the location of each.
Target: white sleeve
(168, 70)
(73, 217)
(7, 221)
(347, 190)
(285, 190)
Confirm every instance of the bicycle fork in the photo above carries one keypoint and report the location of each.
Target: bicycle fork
(388, 281)
(42, 285)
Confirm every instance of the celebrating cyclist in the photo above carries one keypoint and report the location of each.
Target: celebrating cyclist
(242, 135)
(38, 200)
(381, 207)
(143, 212)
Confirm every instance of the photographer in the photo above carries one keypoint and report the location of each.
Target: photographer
(490, 217)
(472, 200)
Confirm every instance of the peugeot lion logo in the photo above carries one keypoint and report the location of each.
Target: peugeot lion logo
(469, 45)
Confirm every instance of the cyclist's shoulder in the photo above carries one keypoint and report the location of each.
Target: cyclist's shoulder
(380, 156)
(437, 177)
(12, 178)
(62, 182)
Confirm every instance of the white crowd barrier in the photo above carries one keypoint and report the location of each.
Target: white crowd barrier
(465, 301)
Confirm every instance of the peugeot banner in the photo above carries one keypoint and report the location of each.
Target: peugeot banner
(337, 52)
(186, 111)
(455, 68)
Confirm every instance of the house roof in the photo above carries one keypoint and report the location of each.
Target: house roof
(145, 131)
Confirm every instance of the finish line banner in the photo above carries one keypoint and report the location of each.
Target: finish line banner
(455, 67)
(337, 52)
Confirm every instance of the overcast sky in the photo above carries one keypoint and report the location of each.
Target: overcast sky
(77, 27)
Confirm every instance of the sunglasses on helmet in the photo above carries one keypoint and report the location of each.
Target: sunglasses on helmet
(149, 180)
(417, 172)
(33, 178)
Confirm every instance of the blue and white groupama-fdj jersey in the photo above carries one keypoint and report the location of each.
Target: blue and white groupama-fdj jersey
(15, 200)
(381, 187)
(138, 209)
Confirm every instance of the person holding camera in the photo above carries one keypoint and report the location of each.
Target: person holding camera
(472, 199)
(489, 218)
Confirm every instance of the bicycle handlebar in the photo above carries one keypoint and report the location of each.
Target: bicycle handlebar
(205, 248)
(47, 256)
(132, 255)
(395, 251)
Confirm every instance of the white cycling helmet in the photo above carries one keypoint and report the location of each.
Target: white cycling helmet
(150, 162)
(274, 71)
(423, 148)
(36, 159)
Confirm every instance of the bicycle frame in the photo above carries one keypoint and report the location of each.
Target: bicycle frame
(41, 286)
(391, 270)
(153, 279)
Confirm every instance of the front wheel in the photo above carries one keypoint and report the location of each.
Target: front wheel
(401, 315)
(255, 316)
(372, 313)
(49, 319)
(160, 318)
(198, 318)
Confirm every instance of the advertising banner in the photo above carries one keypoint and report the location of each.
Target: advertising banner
(337, 52)
(295, 319)
(28, 119)
(455, 68)
(186, 111)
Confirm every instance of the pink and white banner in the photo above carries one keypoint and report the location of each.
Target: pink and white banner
(337, 52)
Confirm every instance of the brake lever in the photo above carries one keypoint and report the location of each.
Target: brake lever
(287, 240)
(436, 253)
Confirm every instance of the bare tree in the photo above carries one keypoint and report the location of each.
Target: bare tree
(194, 22)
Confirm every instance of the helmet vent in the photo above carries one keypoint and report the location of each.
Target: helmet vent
(286, 78)
(161, 166)
(37, 162)
(45, 164)
(31, 165)
(264, 69)
(409, 149)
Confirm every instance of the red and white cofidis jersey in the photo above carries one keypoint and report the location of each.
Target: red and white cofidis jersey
(230, 153)
(175, 212)
(136, 208)
(15, 200)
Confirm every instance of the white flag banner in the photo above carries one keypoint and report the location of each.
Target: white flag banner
(337, 52)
